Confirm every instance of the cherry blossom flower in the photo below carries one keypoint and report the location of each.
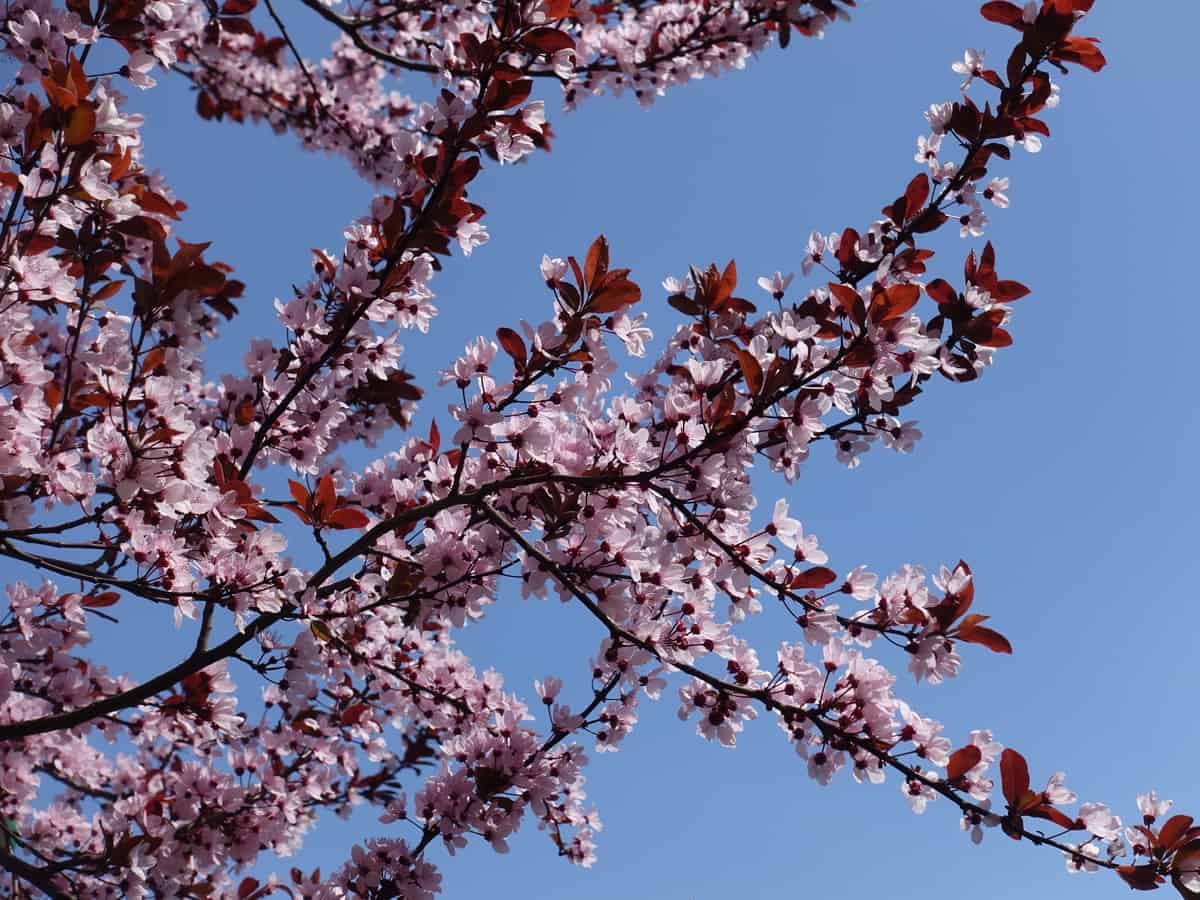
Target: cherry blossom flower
(776, 284)
(970, 66)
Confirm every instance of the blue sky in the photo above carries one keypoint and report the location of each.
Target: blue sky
(1065, 477)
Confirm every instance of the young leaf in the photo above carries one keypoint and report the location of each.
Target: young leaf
(615, 295)
(816, 577)
(993, 640)
(548, 40)
(962, 760)
(1014, 776)
(513, 345)
(1002, 12)
(299, 492)
(916, 194)
(1173, 829)
(751, 371)
(347, 517)
(596, 264)
(80, 124)
(325, 499)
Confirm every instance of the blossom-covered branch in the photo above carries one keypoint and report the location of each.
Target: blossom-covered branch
(129, 471)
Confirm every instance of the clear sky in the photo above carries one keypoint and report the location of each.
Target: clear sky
(1066, 477)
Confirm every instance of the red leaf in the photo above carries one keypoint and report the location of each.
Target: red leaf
(993, 640)
(1002, 12)
(325, 498)
(916, 194)
(930, 220)
(897, 300)
(249, 885)
(548, 40)
(1174, 829)
(299, 493)
(846, 296)
(972, 619)
(237, 26)
(153, 359)
(816, 577)
(596, 263)
(352, 714)
(941, 291)
(1186, 860)
(751, 371)
(63, 98)
(726, 286)
(615, 295)
(962, 761)
(846, 246)
(1140, 878)
(80, 124)
(988, 335)
(108, 290)
(1008, 291)
(507, 94)
(257, 513)
(93, 601)
(1083, 50)
(347, 517)
(513, 345)
(1014, 776)
(1052, 814)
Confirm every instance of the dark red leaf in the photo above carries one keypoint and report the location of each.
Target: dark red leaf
(513, 345)
(816, 577)
(80, 124)
(108, 598)
(1002, 12)
(299, 492)
(325, 498)
(897, 300)
(930, 220)
(300, 511)
(548, 40)
(1053, 814)
(615, 295)
(1173, 830)
(962, 760)
(1083, 51)
(941, 291)
(1008, 291)
(1186, 861)
(1014, 776)
(238, 26)
(846, 296)
(347, 517)
(916, 194)
(726, 286)
(846, 246)
(596, 263)
(751, 371)
(1140, 878)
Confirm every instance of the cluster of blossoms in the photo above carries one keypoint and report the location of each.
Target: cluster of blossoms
(128, 471)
